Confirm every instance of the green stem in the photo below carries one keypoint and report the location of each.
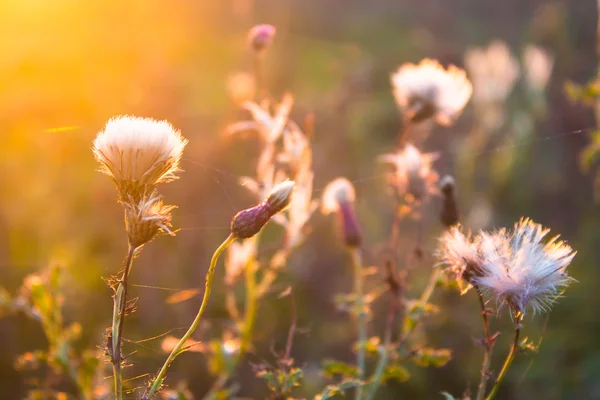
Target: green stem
(488, 345)
(379, 370)
(158, 381)
(361, 317)
(509, 359)
(120, 303)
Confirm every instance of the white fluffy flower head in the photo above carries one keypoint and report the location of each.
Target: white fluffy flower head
(138, 153)
(460, 255)
(538, 65)
(339, 190)
(427, 90)
(522, 271)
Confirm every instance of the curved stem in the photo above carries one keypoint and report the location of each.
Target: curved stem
(361, 317)
(509, 359)
(488, 345)
(158, 381)
(120, 303)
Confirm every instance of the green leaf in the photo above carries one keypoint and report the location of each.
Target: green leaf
(428, 357)
(332, 390)
(395, 372)
(332, 368)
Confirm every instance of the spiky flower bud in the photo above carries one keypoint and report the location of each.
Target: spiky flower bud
(339, 196)
(261, 36)
(450, 214)
(146, 218)
(249, 222)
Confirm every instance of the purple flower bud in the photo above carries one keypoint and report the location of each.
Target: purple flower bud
(261, 36)
(248, 223)
(350, 227)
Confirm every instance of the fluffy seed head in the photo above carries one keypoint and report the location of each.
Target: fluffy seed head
(427, 90)
(338, 191)
(493, 71)
(280, 197)
(138, 153)
(414, 174)
(522, 271)
(145, 218)
(261, 37)
(461, 256)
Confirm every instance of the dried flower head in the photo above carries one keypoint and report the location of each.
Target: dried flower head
(427, 90)
(538, 65)
(493, 71)
(522, 271)
(414, 177)
(138, 153)
(249, 222)
(461, 256)
(339, 196)
(146, 218)
(261, 37)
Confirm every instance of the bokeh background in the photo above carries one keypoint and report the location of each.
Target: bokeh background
(74, 64)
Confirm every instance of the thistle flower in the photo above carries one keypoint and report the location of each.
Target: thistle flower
(249, 222)
(339, 196)
(461, 256)
(428, 91)
(538, 65)
(522, 271)
(261, 37)
(138, 153)
(493, 71)
(146, 218)
(414, 175)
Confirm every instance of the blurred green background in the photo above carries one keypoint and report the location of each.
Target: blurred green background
(75, 64)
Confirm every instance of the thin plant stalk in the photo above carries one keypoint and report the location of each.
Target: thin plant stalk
(488, 345)
(509, 358)
(250, 311)
(361, 319)
(179, 348)
(120, 303)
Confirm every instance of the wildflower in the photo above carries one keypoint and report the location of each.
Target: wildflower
(414, 176)
(145, 218)
(522, 271)
(249, 222)
(493, 71)
(461, 256)
(239, 255)
(428, 91)
(138, 153)
(261, 36)
(339, 196)
(449, 215)
(538, 65)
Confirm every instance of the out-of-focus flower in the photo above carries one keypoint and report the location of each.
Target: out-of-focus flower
(414, 177)
(145, 218)
(538, 65)
(427, 90)
(249, 222)
(239, 255)
(339, 196)
(168, 344)
(261, 37)
(522, 271)
(493, 71)
(241, 87)
(138, 153)
(449, 215)
(515, 267)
